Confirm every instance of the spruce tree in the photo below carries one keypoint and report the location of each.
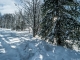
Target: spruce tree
(59, 20)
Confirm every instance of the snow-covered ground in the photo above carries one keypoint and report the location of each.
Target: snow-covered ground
(21, 45)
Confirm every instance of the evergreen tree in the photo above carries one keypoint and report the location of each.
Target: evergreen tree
(59, 20)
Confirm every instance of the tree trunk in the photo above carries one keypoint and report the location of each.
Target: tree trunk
(34, 18)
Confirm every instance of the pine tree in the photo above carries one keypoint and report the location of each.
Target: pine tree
(59, 20)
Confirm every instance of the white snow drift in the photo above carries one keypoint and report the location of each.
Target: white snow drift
(22, 46)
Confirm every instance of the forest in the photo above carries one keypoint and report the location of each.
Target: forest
(56, 22)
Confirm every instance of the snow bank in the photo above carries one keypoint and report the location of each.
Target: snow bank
(22, 46)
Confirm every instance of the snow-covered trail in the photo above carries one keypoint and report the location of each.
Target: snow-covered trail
(22, 46)
(9, 43)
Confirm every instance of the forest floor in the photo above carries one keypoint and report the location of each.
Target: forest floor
(20, 45)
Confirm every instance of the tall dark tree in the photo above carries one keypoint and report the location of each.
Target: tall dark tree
(59, 19)
(34, 18)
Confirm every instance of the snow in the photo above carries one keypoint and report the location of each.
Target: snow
(20, 45)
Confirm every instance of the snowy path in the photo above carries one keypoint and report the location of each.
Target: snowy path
(9, 43)
(21, 46)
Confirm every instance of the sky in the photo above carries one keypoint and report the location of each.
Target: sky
(8, 6)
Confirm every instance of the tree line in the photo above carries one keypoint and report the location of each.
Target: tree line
(55, 21)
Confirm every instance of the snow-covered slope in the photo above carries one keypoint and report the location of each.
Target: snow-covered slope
(22, 46)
